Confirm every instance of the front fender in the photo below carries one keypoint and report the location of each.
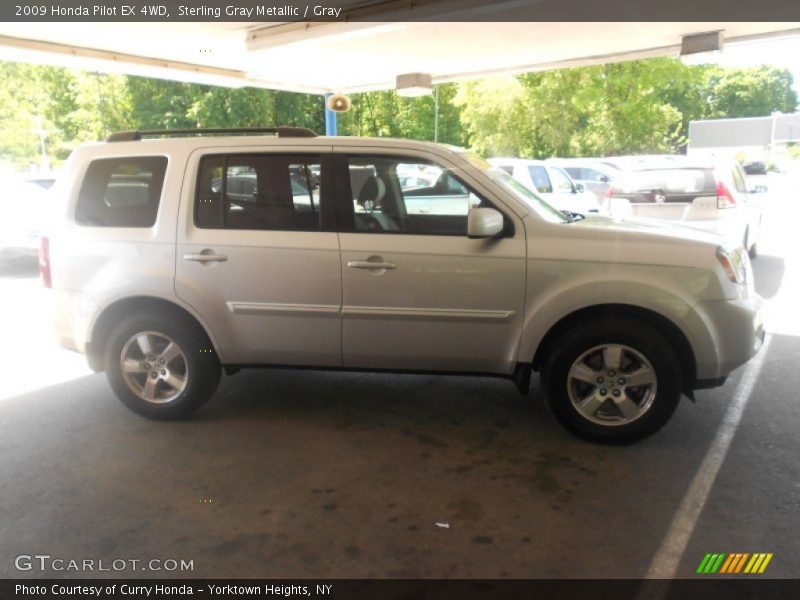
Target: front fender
(558, 290)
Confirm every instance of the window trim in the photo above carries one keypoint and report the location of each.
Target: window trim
(344, 194)
(327, 204)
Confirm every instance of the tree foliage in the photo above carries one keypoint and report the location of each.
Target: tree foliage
(634, 106)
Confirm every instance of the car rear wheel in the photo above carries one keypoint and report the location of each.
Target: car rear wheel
(614, 381)
(161, 368)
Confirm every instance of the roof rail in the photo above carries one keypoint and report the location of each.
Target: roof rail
(135, 136)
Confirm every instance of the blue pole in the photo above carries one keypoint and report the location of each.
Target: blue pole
(331, 124)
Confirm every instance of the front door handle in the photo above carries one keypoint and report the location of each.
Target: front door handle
(368, 264)
(203, 258)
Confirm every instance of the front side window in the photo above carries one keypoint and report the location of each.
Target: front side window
(540, 179)
(271, 192)
(392, 195)
(739, 181)
(561, 181)
(121, 192)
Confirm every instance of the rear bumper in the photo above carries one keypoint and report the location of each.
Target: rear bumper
(19, 252)
(70, 319)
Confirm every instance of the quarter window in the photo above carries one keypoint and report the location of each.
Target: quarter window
(273, 192)
(121, 192)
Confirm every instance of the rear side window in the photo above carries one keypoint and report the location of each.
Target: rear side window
(270, 192)
(673, 181)
(121, 192)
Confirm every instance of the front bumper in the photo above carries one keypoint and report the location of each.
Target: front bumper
(738, 334)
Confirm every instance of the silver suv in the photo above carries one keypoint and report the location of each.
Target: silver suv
(174, 258)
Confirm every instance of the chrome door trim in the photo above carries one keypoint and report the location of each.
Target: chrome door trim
(366, 264)
(205, 257)
(426, 314)
(265, 308)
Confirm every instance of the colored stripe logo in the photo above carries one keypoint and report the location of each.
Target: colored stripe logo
(731, 564)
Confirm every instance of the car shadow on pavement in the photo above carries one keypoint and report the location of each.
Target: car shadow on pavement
(768, 272)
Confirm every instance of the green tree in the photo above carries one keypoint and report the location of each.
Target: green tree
(754, 92)
(386, 114)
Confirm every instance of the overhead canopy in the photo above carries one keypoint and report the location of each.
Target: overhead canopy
(356, 55)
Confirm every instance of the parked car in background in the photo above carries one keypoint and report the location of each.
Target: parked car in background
(712, 197)
(595, 176)
(551, 183)
(43, 181)
(755, 167)
(23, 207)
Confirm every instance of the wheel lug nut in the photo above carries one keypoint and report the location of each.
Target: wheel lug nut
(621, 381)
(616, 393)
(600, 380)
(603, 392)
(153, 374)
(611, 373)
(161, 361)
(163, 371)
(147, 366)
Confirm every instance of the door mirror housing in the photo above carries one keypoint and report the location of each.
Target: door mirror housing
(484, 223)
(579, 188)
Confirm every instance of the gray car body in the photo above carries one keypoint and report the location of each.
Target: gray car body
(453, 303)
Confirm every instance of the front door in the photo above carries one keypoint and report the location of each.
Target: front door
(418, 294)
(258, 255)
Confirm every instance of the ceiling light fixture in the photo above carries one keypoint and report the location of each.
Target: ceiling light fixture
(701, 48)
(412, 85)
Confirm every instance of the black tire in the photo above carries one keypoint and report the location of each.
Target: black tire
(201, 373)
(641, 338)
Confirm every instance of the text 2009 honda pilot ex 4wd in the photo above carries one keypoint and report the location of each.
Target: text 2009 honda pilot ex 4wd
(173, 258)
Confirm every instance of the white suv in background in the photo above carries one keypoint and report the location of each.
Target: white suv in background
(551, 183)
(713, 197)
(174, 258)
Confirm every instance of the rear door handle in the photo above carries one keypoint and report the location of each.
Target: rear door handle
(205, 257)
(368, 264)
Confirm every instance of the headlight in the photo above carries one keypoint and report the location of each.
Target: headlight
(733, 263)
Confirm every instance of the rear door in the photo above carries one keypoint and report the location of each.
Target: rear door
(258, 254)
(418, 294)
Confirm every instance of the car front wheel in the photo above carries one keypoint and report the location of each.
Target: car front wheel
(614, 381)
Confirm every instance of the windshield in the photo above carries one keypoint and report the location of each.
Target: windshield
(522, 193)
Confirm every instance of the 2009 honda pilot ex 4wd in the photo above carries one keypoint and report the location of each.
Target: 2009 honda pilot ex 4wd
(175, 257)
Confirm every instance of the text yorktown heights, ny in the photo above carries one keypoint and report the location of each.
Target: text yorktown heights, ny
(154, 590)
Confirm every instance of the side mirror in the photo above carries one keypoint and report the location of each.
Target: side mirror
(484, 223)
(604, 179)
(580, 188)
